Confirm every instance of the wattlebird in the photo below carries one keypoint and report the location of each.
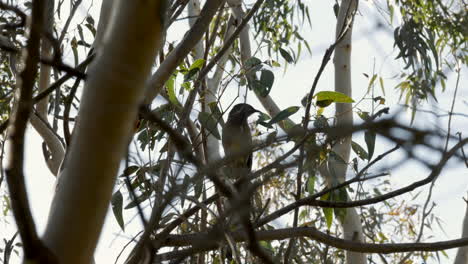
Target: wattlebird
(237, 144)
(237, 141)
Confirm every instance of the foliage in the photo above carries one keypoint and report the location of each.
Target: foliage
(160, 176)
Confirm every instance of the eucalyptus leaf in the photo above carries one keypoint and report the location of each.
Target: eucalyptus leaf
(369, 137)
(170, 86)
(191, 74)
(198, 64)
(116, 203)
(327, 212)
(340, 195)
(285, 54)
(209, 123)
(359, 151)
(311, 184)
(325, 98)
(266, 79)
(263, 86)
(143, 197)
(284, 114)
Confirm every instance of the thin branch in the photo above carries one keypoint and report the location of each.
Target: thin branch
(34, 249)
(54, 62)
(17, 11)
(312, 200)
(229, 41)
(297, 232)
(66, 112)
(69, 19)
(174, 58)
(52, 87)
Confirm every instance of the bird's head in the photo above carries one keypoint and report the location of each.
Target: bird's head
(240, 112)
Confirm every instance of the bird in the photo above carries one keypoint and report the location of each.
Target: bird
(237, 144)
(237, 139)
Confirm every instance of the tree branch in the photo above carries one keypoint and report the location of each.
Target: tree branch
(34, 250)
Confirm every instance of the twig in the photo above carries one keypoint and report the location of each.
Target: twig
(227, 44)
(66, 112)
(310, 232)
(312, 200)
(52, 87)
(54, 62)
(17, 11)
(34, 249)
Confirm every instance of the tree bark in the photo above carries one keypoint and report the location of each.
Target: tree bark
(351, 224)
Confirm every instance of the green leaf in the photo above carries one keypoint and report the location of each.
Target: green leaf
(90, 20)
(116, 203)
(336, 157)
(144, 139)
(253, 65)
(266, 245)
(263, 87)
(325, 98)
(310, 184)
(371, 82)
(340, 195)
(262, 120)
(130, 170)
(286, 55)
(267, 78)
(359, 151)
(209, 123)
(198, 188)
(143, 197)
(381, 81)
(275, 63)
(216, 112)
(284, 114)
(324, 103)
(369, 137)
(328, 212)
(170, 86)
(364, 116)
(191, 74)
(198, 64)
(187, 86)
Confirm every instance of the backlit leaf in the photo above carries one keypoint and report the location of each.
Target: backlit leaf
(209, 123)
(325, 98)
(359, 151)
(116, 203)
(286, 55)
(284, 114)
(369, 137)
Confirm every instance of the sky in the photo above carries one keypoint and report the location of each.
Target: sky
(372, 53)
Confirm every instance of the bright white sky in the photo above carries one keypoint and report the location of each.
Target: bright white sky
(372, 52)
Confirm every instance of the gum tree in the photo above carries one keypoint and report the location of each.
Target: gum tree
(133, 120)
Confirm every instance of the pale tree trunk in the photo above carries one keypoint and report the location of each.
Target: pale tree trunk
(351, 224)
(212, 143)
(114, 88)
(191, 38)
(40, 121)
(104, 17)
(246, 52)
(462, 253)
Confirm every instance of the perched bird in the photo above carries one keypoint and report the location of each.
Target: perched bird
(237, 143)
(237, 139)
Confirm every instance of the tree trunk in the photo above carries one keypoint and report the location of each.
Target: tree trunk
(351, 225)
(462, 253)
(114, 88)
